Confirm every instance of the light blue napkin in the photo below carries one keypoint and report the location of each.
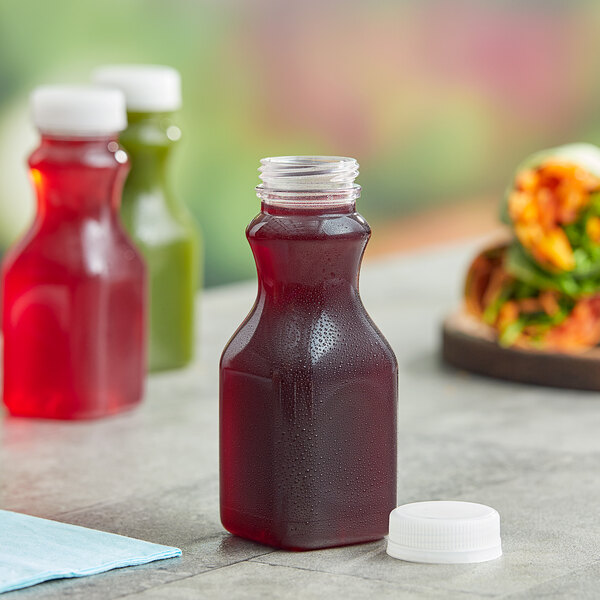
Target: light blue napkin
(33, 550)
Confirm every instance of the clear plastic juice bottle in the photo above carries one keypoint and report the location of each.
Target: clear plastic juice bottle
(157, 221)
(308, 385)
(73, 293)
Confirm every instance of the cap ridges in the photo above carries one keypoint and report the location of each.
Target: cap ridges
(444, 532)
(78, 111)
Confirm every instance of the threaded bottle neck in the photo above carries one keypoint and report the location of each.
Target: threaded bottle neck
(308, 182)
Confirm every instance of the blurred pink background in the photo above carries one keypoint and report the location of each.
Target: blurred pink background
(438, 100)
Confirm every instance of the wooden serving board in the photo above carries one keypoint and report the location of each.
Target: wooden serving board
(470, 345)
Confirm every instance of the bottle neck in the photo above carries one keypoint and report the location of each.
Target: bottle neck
(301, 205)
(78, 176)
(149, 139)
(308, 240)
(303, 256)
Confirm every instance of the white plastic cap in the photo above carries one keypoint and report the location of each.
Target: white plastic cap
(147, 88)
(78, 111)
(444, 532)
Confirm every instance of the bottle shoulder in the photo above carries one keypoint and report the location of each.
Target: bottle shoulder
(90, 250)
(316, 340)
(307, 226)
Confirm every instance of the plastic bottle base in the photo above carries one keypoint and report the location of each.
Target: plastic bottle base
(299, 542)
(79, 416)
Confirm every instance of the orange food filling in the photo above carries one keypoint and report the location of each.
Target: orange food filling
(578, 332)
(546, 199)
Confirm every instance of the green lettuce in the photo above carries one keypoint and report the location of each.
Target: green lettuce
(523, 267)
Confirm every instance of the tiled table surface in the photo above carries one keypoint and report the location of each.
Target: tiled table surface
(532, 453)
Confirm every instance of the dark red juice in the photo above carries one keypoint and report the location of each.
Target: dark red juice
(73, 290)
(308, 391)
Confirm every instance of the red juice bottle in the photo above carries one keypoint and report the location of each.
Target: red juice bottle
(73, 296)
(308, 386)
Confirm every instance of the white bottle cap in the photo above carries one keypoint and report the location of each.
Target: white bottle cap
(147, 88)
(444, 532)
(78, 111)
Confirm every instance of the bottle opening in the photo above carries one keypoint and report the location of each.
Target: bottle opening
(308, 181)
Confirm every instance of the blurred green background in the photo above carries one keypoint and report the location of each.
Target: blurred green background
(437, 100)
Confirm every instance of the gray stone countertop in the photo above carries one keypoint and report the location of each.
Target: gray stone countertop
(532, 453)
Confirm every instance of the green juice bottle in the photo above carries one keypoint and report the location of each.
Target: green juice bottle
(159, 224)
